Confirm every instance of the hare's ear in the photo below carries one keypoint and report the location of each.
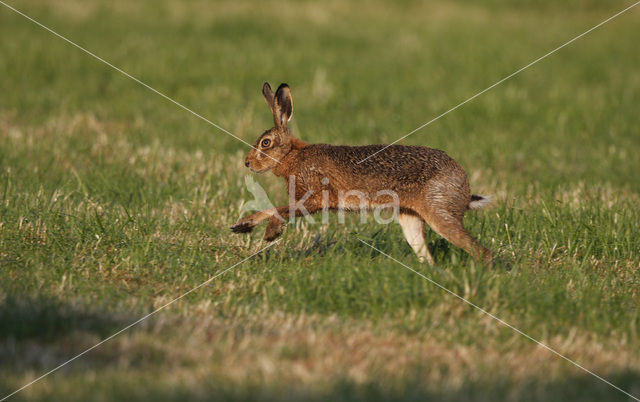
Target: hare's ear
(268, 96)
(283, 106)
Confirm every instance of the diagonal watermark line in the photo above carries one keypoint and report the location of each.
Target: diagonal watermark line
(502, 80)
(138, 321)
(506, 324)
(133, 78)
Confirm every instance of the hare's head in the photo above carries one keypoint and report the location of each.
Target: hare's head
(275, 143)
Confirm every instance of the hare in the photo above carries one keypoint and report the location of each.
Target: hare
(429, 186)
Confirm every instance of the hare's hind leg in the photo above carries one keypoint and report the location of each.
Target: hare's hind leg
(450, 227)
(413, 230)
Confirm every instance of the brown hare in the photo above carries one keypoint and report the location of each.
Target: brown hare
(426, 184)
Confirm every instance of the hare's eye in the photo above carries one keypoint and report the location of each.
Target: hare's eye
(266, 142)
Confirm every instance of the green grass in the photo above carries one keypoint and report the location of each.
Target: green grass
(113, 201)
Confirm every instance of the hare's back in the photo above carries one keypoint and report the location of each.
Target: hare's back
(397, 162)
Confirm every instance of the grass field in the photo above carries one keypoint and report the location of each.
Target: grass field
(114, 201)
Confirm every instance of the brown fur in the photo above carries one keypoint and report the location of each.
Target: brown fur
(429, 183)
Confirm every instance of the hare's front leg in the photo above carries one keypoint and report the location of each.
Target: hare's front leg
(277, 221)
(274, 229)
(277, 217)
(246, 224)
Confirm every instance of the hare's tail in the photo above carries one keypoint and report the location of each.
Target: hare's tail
(479, 201)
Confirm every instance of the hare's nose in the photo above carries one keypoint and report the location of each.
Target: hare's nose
(247, 163)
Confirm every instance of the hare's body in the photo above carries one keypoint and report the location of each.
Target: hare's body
(427, 185)
(398, 166)
(412, 172)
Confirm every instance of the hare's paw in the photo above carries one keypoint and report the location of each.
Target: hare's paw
(243, 226)
(274, 230)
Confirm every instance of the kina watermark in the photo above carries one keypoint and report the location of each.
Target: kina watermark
(383, 205)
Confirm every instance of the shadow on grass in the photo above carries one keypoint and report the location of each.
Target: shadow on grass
(46, 319)
(40, 333)
(579, 387)
(319, 247)
(325, 245)
(441, 250)
(582, 387)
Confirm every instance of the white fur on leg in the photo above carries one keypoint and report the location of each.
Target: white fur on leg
(413, 230)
